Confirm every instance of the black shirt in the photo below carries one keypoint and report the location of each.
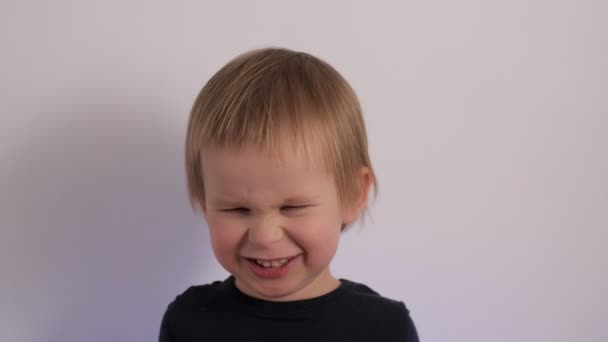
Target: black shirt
(221, 312)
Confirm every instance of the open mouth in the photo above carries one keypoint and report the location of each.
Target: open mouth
(271, 269)
(271, 263)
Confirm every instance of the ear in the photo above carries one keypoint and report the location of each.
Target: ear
(352, 212)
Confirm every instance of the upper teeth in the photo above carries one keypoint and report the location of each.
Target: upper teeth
(272, 263)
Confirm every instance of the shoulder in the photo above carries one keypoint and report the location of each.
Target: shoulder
(388, 315)
(183, 314)
(197, 297)
(365, 298)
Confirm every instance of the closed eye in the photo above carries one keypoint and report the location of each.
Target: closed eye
(293, 207)
(243, 210)
(239, 210)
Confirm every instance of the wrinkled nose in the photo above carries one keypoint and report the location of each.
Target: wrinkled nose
(265, 231)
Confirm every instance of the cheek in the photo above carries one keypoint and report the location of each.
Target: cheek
(224, 235)
(318, 234)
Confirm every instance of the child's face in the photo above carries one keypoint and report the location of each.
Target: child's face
(260, 207)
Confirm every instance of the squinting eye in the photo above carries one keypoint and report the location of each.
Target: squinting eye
(237, 210)
(294, 207)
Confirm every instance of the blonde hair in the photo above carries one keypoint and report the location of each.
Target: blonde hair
(261, 98)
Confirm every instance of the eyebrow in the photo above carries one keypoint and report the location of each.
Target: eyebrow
(223, 202)
(301, 199)
(226, 202)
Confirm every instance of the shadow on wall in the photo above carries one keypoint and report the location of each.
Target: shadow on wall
(105, 237)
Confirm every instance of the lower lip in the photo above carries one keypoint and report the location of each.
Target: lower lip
(272, 272)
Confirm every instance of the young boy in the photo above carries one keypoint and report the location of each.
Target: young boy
(277, 163)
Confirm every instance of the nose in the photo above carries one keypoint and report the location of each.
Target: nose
(265, 230)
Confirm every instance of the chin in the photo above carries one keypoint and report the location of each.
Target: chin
(275, 295)
(273, 290)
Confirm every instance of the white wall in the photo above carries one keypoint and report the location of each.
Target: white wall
(488, 124)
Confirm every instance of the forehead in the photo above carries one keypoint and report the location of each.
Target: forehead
(285, 155)
(254, 173)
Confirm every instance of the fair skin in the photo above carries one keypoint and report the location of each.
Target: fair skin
(258, 206)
